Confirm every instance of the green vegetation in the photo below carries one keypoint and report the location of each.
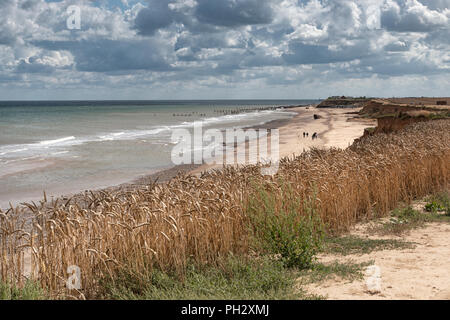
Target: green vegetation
(355, 245)
(440, 115)
(434, 207)
(279, 230)
(253, 279)
(30, 291)
(406, 218)
(439, 203)
(347, 98)
(235, 279)
(385, 115)
(370, 129)
(348, 271)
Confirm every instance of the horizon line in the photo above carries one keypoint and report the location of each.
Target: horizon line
(75, 100)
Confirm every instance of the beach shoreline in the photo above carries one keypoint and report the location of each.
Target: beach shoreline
(335, 128)
(333, 123)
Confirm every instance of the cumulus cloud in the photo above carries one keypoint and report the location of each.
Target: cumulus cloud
(412, 16)
(437, 4)
(211, 44)
(45, 62)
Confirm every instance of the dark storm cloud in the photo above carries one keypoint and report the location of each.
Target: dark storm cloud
(7, 29)
(156, 16)
(205, 16)
(260, 59)
(7, 77)
(438, 39)
(197, 42)
(233, 13)
(397, 47)
(6, 38)
(110, 55)
(28, 4)
(394, 21)
(301, 53)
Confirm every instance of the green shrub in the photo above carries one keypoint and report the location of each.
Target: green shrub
(407, 214)
(279, 229)
(434, 207)
(30, 291)
(439, 202)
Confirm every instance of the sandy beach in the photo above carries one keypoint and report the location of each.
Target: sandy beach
(336, 128)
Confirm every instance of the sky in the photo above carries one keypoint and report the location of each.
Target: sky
(223, 49)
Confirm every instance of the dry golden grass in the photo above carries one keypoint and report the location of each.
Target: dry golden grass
(202, 219)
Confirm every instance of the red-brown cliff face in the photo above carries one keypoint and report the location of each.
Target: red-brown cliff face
(381, 108)
(392, 117)
(392, 124)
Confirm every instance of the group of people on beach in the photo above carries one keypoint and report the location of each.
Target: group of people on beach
(314, 136)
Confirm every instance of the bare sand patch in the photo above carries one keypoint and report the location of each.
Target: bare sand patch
(415, 273)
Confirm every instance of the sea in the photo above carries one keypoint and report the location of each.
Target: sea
(63, 147)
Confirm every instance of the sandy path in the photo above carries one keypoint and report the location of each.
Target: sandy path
(416, 273)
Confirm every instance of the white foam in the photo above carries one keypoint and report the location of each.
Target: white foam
(36, 148)
(111, 136)
(59, 146)
(56, 141)
(130, 134)
(13, 151)
(58, 153)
